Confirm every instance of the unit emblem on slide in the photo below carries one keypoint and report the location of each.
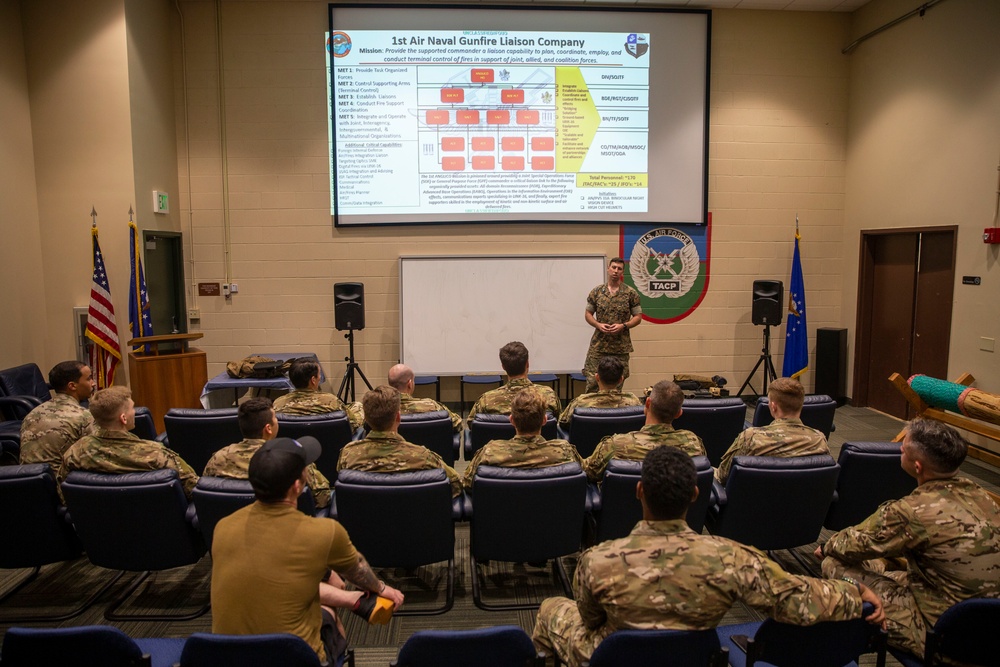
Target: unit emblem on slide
(636, 45)
(668, 267)
(339, 44)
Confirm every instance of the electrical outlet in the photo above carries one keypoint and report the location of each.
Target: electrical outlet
(194, 313)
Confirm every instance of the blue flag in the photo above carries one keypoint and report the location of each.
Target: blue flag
(796, 333)
(138, 298)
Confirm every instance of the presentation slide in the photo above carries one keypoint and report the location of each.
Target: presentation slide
(463, 125)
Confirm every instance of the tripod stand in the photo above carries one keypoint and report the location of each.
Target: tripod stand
(347, 384)
(765, 359)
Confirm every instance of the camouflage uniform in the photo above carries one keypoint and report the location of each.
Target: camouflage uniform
(922, 554)
(497, 401)
(386, 451)
(409, 405)
(664, 576)
(608, 308)
(782, 438)
(233, 462)
(116, 452)
(305, 402)
(49, 430)
(521, 451)
(613, 398)
(635, 445)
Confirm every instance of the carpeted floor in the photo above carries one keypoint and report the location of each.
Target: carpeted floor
(63, 584)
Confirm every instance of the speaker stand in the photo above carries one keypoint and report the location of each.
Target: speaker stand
(347, 384)
(765, 359)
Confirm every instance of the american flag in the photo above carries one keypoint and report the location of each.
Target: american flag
(138, 298)
(101, 328)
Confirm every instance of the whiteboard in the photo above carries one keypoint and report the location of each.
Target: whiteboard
(456, 312)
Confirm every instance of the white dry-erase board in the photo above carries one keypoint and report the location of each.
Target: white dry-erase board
(457, 312)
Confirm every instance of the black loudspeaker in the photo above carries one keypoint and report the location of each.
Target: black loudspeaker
(831, 363)
(767, 302)
(349, 306)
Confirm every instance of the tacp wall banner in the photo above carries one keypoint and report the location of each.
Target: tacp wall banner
(669, 266)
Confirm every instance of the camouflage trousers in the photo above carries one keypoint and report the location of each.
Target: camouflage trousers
(903, 620)
(590, 368)
(560, 630)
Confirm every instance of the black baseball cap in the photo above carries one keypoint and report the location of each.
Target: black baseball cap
(278, 463)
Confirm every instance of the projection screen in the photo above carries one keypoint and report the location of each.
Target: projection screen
(462, 114)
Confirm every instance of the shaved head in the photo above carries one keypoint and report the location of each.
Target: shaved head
(400, 376)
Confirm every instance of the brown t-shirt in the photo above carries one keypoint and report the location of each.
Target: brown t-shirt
(267, 562)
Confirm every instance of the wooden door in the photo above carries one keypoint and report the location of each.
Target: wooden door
(904, 312)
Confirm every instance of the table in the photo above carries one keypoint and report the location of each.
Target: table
(213, 395)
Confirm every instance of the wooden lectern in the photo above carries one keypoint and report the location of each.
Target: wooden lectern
(169, 379)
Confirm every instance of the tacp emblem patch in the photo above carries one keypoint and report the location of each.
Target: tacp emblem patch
(668, 266)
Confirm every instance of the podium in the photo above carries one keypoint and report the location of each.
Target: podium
(167, 379)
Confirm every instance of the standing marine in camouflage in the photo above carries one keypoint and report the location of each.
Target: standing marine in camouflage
(930, 550)
(609, 394)
(527, 449)
(384, 450)
(258, 424)
(664, 576)
(402, 378)
(785, 437)
(514, 361)
(663, 406)
(307, 399)
(49, 430)
(113, 450)
(612, 309)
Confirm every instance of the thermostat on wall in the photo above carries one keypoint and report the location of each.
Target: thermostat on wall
(161, 202)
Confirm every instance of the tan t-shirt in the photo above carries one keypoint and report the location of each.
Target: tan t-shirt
(267, 562)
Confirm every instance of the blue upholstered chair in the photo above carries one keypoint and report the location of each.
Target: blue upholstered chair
(402, 519)
(145, 428)
(774, 503)
(25, 380)
(137, 522)
(961, 634)
(571, 380)
(37, 532)
(435, 380)
(499, 646)
(620, 510)
(332, 429)
(434, 431)
(551, 379)
(653, 648)
(717, 421)
(485, 427)
(830, 644)
(86, 646)
(196, 434)
(13, 410)
(590, 425)
(287, 650)
(870, 474)
(215, 498)
(526, 515)
(817, 411)
(475, 379)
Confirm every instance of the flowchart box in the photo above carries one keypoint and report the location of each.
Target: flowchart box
(452, 95)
